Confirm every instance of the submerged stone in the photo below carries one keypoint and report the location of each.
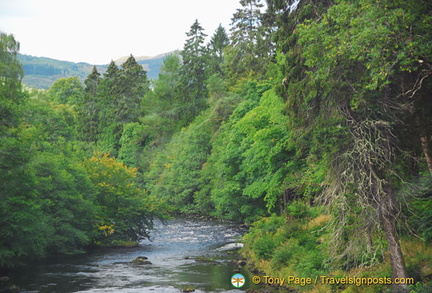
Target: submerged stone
(141, 260)
(4, 278)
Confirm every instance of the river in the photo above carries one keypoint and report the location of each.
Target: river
(172, 252)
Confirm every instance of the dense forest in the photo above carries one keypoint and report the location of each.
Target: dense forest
(42, 72)
(310, 121)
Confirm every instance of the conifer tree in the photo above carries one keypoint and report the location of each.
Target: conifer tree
(112, 72)
(251, 46)
(120, 93)
(92, 81)
(216, 46)
(108, 92)
(134, 85)
(11, 74)
(246, 22)
(89, 109)
(163, 98)
(193, 72)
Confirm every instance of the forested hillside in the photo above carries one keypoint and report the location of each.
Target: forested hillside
(310, 122)
(42, 72)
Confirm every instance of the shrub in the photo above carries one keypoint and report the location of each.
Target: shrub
(284, 254)
(263, 247)
(299, 209)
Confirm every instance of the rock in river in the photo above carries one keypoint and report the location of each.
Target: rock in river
(141, 260)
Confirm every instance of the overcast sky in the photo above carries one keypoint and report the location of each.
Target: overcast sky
(96, 31)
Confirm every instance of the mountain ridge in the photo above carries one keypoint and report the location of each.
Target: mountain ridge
(42, 72)
(123, 59)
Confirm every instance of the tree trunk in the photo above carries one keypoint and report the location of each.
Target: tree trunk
(424, 139)
(388, 221)
(425, 146)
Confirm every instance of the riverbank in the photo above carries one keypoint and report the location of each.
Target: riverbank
(296, 251)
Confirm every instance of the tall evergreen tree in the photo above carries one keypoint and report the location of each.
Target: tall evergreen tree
(120, 93)
(194, 72)
(92, 82)
(90, 108)
(134, 85)
(246, 22)
(251, 44)
(164, 99)
(216, 46)
(109, 89)
(11, 74)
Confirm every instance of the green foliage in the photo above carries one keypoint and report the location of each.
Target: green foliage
(67, 198)
(420, 287)
(67, 91)
(52, 121)
(265, 152)
(64, 192)
(424, 218)
(338, 114)
(127, 211)
(193, 73)
(299, 209)
(251, 47)
(264, 247)
(248, 159)
(183, 161)
(162, 106)
(50, 202)
(349, 77)
(11, 73)
(23, 224)
(272, 239)
(217, 45)
(227, 180)
(134, 85)
(42, 72)
(130, 143)
(110, 102)
(370, 37)
(421, 207)
(264, 237)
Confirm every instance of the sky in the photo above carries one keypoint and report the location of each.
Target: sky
(98, 31)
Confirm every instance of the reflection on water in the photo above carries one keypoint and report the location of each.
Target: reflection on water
(171, 252)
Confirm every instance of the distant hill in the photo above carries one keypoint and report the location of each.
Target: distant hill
(42, 72)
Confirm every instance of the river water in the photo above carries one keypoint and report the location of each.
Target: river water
(172, 252)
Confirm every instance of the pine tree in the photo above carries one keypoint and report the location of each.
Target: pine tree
(246, 22)
(108, 92)
(89, 110)
(11, 74)
(120, 93)
(163, 99)
(251, 44)
(216, 46)
(194, 72)
(134, 85)
(92, 82)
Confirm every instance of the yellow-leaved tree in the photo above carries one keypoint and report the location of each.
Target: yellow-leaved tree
(127, 211)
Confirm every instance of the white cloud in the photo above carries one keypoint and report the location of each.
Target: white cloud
(97, 31)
